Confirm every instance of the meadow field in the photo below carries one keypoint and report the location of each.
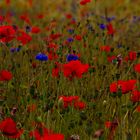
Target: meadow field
(69, 70)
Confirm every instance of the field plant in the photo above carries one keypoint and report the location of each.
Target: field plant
(69, 70)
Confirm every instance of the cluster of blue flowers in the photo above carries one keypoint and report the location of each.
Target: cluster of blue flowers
(15, 49)
(71, 57)
(70, 40)
(41, 57)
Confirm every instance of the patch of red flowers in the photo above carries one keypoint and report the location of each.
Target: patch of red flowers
(137, 68)
(68, 100)
(45, 134)
(131, 56)
(68, 16)
(72, 101)
(124, 85)
(135, 96)
(84, 2)
(111, 58)
(9, 129)
(5, 75)
(24, 38)
(78, 37)
(79, 105)
(74, 69)
(7, 33)
(35, 30)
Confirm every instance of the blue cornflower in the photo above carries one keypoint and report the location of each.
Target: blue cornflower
(71, 57)
(109, 19)
(102, 26)
(14, 50)
(71, 31)
(41, 57)
(70, 40)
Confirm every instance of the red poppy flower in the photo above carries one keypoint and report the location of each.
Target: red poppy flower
(131, 84)
(68, 16)
(24, 38)
(135, 96)
(108, 124)
(132, 55)
(78, 37)
(137, 68)
(83, 2)
(111, 58)
(74, 69)
(123, 86)
(46, 134)
(35, 30)
(113, 87)
(7, 33)
(79, 105)
(40, 16)
(111, 125)
(110, 29)
(5, 75)
(8, 128)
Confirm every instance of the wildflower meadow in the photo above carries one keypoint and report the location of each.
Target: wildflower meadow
(69, 70)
